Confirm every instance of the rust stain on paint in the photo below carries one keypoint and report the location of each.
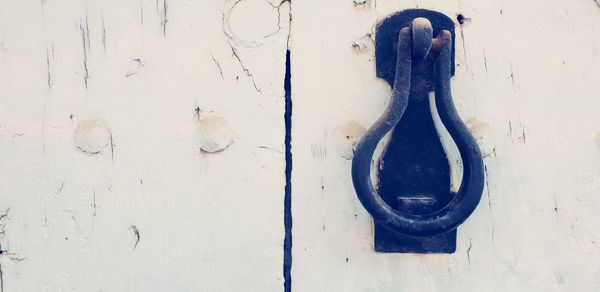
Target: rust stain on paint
(346, 136)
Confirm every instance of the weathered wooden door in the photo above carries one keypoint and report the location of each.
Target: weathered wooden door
(527, 84)
(158, 146)
(142, 145)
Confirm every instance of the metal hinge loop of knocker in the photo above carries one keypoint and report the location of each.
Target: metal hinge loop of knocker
(413, 207)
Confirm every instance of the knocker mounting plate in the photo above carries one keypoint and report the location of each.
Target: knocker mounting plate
(415, 191)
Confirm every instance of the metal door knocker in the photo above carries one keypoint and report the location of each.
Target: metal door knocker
(413, 208)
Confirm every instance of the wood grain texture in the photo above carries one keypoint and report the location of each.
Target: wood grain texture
(527, 86)
(104, 184)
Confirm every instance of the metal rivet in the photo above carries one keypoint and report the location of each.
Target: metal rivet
(215, 134)
(92, 135)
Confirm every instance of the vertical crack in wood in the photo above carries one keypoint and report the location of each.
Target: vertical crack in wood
(469, 250)
(85, 42)
(217, 64)
(287, 201)
(49, 66)
(1, 279)
(164, 17)
(141, 13)
(236, 55)
(2, 251)
(556, 206)
(136, 233)
(112, 148)
(94, 206)
(487, 188)
(103, 33)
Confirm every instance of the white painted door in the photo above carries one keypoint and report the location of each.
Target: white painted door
(108, 112)
(527, 84)
(143, 146)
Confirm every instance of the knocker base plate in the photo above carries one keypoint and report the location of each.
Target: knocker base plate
(390, 241)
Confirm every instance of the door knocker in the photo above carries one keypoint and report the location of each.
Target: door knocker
(413, 208)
